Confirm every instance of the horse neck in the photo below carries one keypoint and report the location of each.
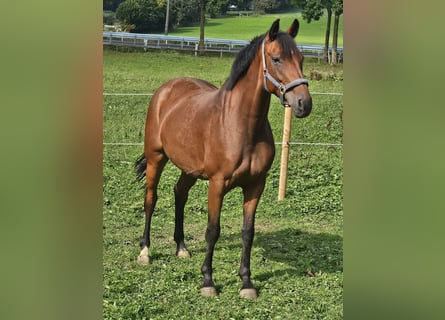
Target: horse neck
(248, 101)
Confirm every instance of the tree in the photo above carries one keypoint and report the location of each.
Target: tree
(328, 6)
(145, 15)
(338, 11)
(167, 16)
(217, 8)
(263, 6)
(202, 6)
(111, 5)
(185, 12)
(313, 10)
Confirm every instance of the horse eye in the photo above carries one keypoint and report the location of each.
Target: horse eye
(276, 60)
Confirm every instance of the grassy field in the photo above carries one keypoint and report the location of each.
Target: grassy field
(251, 26)
(297, 257)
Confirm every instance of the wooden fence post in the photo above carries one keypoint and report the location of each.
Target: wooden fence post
(285, 152)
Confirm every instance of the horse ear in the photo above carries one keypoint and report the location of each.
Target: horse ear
(274, 30)
(293, 29)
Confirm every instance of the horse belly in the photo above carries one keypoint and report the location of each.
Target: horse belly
(183, 136)
(187, 157)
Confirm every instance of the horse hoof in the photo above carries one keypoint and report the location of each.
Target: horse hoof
(143, 260)
(249, 293)
(208, 292)
(183, 254)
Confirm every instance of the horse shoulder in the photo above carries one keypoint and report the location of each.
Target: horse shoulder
(263, 152)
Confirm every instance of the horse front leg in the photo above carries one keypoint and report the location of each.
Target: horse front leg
(252, 194)
(215, 198)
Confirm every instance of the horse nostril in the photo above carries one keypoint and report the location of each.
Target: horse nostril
(300, 102)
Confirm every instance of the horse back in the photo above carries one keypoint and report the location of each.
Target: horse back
(180, 94)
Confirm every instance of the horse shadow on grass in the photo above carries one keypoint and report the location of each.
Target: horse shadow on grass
(304, 253)
(292, 251)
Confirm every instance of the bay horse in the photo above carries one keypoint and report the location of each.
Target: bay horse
(223, 136)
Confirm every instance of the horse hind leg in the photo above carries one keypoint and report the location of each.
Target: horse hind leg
(155, 165)
(182, 188)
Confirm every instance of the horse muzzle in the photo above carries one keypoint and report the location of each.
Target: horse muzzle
(301, 104)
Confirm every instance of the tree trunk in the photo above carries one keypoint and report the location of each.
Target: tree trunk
(328, 35)
(167, 16)
(203, 4)
(335, 39)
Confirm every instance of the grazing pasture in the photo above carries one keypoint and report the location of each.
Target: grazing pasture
(297, 256)
(249, 27)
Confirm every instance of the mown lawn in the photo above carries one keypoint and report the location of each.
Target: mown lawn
(253, 25)
(297, 257)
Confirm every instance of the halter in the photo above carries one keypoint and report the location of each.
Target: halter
(279, 86)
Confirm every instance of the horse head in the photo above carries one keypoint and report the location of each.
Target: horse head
(283, 69)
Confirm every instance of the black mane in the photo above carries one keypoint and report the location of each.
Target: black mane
(243, 60)
(245, 57)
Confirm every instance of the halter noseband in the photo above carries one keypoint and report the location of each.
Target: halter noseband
(283, 89)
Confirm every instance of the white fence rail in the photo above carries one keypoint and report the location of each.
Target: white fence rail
(142, 40)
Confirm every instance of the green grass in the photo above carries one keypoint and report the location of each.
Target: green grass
(303, 232)
(249, 27)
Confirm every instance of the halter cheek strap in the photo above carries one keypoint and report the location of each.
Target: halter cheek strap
(279, 86)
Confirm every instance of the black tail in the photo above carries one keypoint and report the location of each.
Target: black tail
(140, 166)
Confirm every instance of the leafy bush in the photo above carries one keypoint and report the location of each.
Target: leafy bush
(263, 6)
(184, 13)
(330, 75)
(145, 15)
(216, 8)
(109, 17)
